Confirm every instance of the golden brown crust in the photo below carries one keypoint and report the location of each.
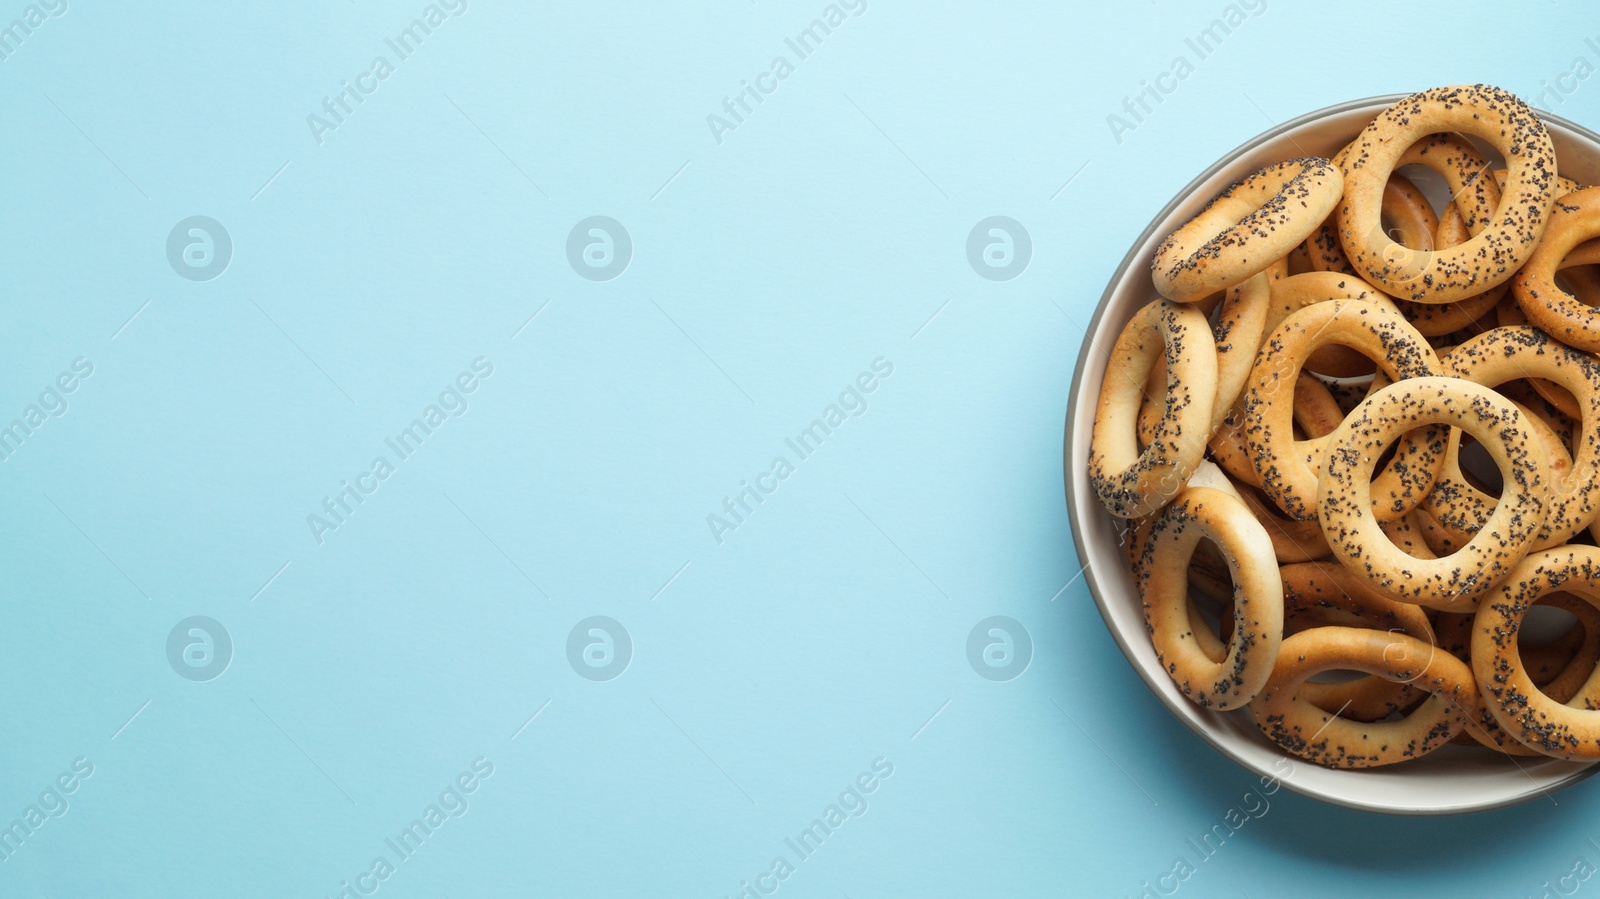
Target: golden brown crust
(1282, 434)
(1526, 713)
(1290, 469)
(1294, 293)
(1440, 319)
(1301, 728)
(1247, 228)
(1319, 594)
(1292, 541)
(1576, 219)
(1493, 254)
(1132, 482)
(1506, 354)
(1453, 582)
(1207, 513)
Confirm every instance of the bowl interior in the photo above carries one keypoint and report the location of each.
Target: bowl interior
(1452, 779)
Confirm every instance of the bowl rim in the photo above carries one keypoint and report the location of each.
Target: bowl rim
(1078, 527)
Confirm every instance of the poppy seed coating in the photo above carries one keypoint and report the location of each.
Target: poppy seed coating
(1493, 254)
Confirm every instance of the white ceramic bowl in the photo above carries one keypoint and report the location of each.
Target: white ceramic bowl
(1451, 780)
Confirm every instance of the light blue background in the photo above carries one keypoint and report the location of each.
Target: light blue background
(827, 230)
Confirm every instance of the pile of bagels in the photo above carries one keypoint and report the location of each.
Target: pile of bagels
(1358, 432)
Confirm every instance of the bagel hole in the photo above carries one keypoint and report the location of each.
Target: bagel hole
(1565, 277)
(1544, 624)
(1211, 305)
(1335, 676)
(1210, 614)
(1393, 231)
(1397, 234)
(1211, 588)
(1479, 467)
(1432, 184)
(1348, 392)
(1335, 359)
(1581, 282)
